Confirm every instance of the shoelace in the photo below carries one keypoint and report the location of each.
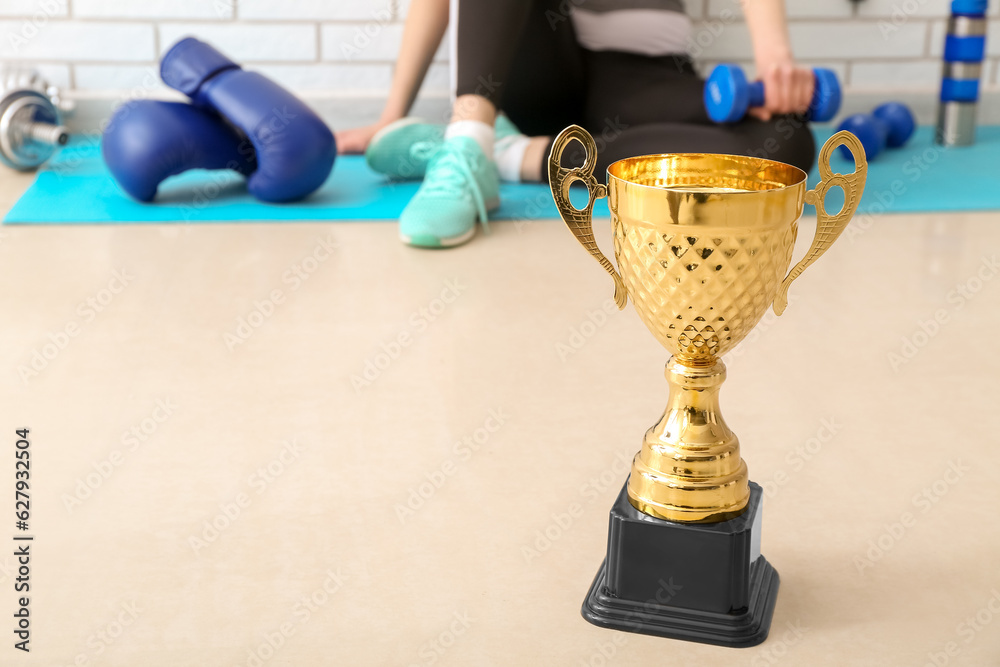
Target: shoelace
(424, 150)
(453, 176)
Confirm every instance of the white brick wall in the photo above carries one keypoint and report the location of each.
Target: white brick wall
(30, 7)
(249, 42)
(362, 11)
(152, 9)
(72, 41)
(347, 42)
(337, 49)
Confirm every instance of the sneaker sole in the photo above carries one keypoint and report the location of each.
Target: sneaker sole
(430, 241)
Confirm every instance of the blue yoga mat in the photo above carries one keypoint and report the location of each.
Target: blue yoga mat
(75, 187)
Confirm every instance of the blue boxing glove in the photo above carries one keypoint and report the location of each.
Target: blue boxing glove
(295, 149)
(147, 141)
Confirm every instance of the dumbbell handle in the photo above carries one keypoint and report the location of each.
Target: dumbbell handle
(728, 94)
(47, 133)
(755, 91)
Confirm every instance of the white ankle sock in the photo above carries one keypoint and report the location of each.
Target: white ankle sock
(478, 131)
(508, 153)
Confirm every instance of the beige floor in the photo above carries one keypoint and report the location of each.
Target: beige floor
(319, 557)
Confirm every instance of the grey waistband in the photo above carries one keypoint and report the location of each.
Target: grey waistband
(651, 32)
(615, 5)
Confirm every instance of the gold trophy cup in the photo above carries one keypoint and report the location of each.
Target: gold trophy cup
(703, 243)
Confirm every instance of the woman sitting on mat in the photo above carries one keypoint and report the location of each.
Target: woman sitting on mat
(619, 68)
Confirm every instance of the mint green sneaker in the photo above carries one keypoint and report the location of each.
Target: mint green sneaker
(504, 128)
(460, 186)
(402, 149)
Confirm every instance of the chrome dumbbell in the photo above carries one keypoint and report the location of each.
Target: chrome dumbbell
(31, 128)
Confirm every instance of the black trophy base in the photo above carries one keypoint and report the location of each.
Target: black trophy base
(704, 583)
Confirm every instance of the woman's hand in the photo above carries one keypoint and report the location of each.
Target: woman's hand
(788, 88)
(356, 140)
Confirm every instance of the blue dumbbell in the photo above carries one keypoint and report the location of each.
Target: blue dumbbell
(728, 95)
(889, 125)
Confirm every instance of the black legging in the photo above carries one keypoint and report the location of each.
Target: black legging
(523, 56)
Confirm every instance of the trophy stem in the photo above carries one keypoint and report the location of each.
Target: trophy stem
(689, 468)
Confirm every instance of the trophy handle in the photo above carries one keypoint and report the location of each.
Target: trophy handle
(829, 227)
(578, 220)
